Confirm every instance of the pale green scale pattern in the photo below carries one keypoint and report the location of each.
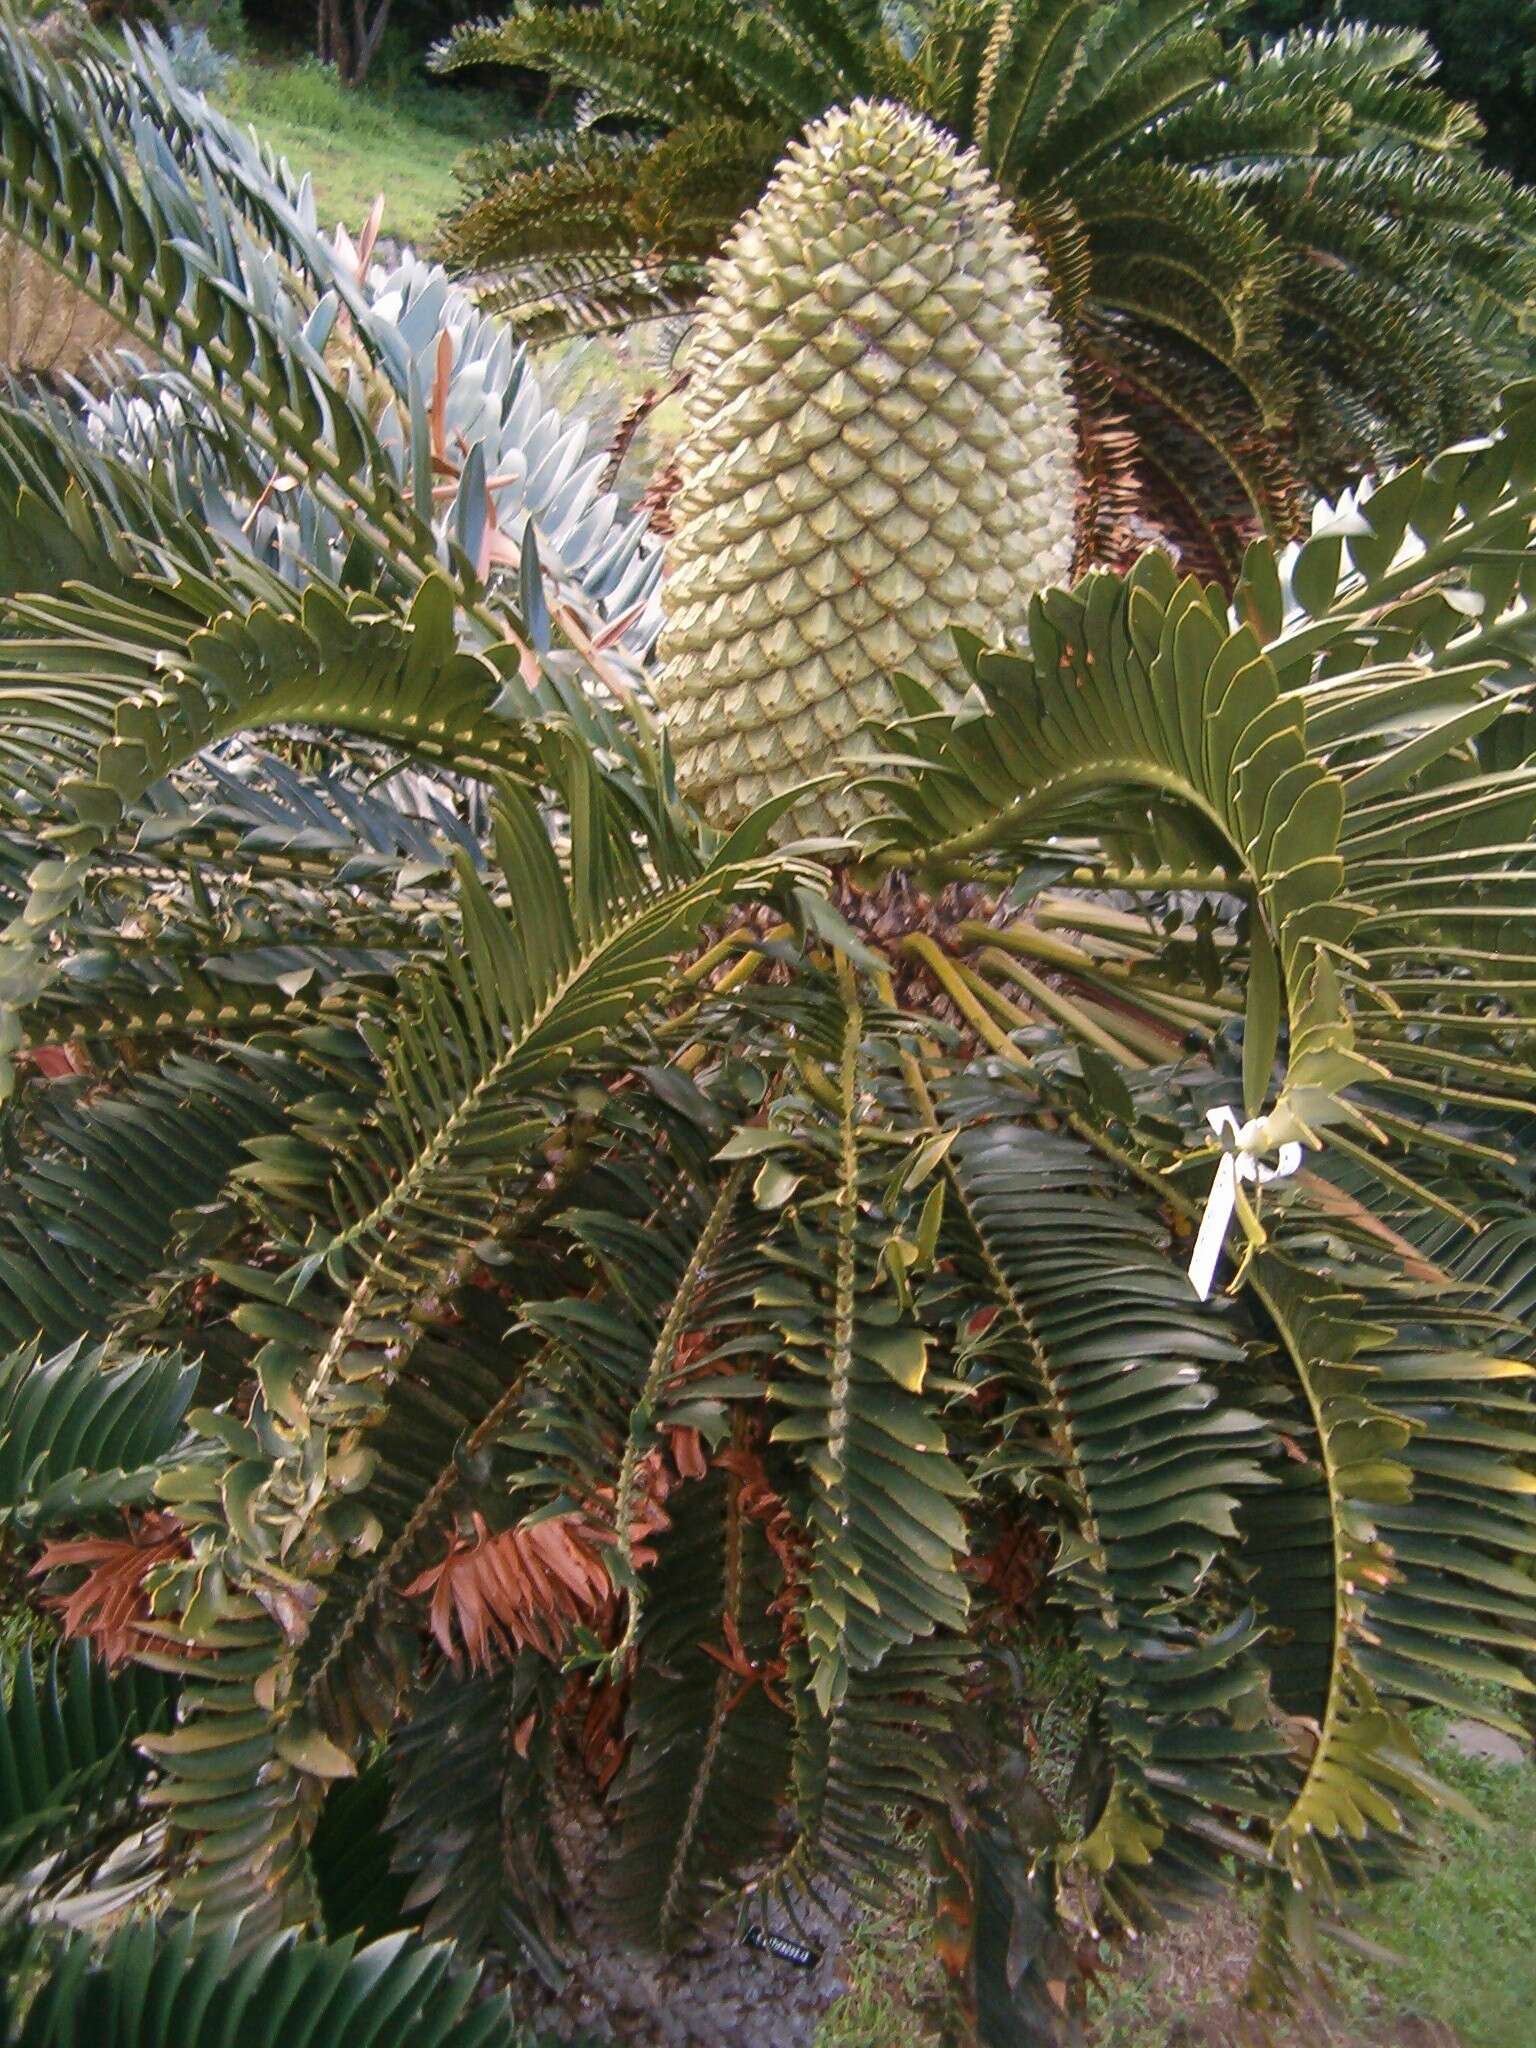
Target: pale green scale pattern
(880, 445)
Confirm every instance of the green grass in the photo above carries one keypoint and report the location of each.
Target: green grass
(1463, 1928)
(895, 1986)
(401, 138)
(21, 1627)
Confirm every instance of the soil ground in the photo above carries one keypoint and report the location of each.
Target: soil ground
(1464, 1929)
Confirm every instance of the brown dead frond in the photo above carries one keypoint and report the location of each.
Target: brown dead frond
(110, 1606)
(523, 1588)
(532, 1586)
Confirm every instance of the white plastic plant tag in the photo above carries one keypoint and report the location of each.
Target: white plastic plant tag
(1241, 1163)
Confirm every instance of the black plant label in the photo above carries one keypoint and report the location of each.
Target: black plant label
(797, 1952)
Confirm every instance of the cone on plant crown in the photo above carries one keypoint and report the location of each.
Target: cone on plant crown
(879, 446)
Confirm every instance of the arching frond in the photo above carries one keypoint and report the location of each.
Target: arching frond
(468, 1812)
(88, 1222)
(1099, 1350)
(154, 1986)
(882, 1510)
(83, 1431)
(67, 1759)
(780, 61)
(709, 1729)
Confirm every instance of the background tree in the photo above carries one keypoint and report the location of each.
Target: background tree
(348, 34)
(351, 34)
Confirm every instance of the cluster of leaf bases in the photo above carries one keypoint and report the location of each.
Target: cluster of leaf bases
(514, 1296)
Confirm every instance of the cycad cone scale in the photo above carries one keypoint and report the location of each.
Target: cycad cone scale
(879, 446)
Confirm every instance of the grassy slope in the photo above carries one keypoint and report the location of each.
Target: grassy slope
(400, 139)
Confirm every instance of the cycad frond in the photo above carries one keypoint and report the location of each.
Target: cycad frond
(669, 1282)
(709, 1755)
(882, 1751)
(545, 204)
(469, 1812)
(884, 1527)
(530, 997)
(1199, 460)
(777, 62)
(84, 1430)
(88, 1222)
(227, 328)
(1171, 1650)
(1034, 55)
(606, 216)
(161, 1986)
(67, 1738)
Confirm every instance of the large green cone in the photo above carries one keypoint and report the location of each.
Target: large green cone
(879, 446)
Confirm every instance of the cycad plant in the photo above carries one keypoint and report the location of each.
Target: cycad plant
(1273, 266)
(525, 1297)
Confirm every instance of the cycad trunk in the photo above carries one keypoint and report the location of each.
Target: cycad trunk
(880, 446)
(47, 328)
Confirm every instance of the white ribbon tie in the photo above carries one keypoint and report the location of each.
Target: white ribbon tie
(1241, 1162)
